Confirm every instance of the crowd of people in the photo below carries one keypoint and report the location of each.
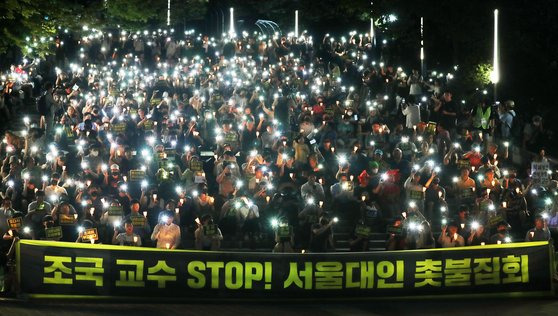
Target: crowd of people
(184, 141)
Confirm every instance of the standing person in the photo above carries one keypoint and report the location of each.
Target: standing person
(483, 117)
(411, 110)
(533, 134)
(447, 112)
(166, 232)
(415, 81)
(506, 114)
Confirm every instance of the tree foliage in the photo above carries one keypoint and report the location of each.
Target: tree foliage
(37, 19)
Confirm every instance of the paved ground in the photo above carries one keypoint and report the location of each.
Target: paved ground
(493, 307)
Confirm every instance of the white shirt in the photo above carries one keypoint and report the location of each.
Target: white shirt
(412, 113)
(166, 234)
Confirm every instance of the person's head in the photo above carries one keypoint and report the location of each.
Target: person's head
(416, 177)
(539, 222)
(171, 204)
(115, 170)
(48, 221)
(502, 227)
(397, 154)
(167, 218)
(134, 206)
(447, 96)
(378, 154)
(464, 173)
(537, 120)
(463, 212)
(452, 228)
(129, 226)
(373, 167)
(489, 175)
(206, 219)
(6, 203)
(312, 178)
(258, 172)
(40, 196)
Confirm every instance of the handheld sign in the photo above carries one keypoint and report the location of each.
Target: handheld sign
(148, 125)
(137, 175)
(395, 230)
(118, 128)
(64, 219)
(138, 221)
(115, 211)
(539, 173)
(53, 233)
(284, 232)
(14, 223)
(210, 230)
(431, 128)
(494, 220)
(362, 231)
(90, 234)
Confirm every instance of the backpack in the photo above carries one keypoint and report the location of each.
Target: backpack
(516, 130)
(42, 105)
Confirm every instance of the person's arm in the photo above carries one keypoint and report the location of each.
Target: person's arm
(471, 237)
(114, 237)
(176, 241)
(427, 184)
(220, 177)
(198, 238)
(407, 184)
(460, 241)
(321, 230)
(219, 235)
(155, 234)
(447, 157)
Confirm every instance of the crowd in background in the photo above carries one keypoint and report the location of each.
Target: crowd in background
(185, 141)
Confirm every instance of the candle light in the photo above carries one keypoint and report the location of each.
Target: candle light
(167, 245)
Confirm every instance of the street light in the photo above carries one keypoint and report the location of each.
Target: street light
(422, 70)
(296, 24)
(231, 25)
(371, 31)
(495, 74)
(168, 11)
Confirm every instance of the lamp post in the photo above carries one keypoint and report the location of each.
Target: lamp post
(231, 25)
(372, 31)
(168, 12)
(422, 70)
(495, 74)
(296, 24)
